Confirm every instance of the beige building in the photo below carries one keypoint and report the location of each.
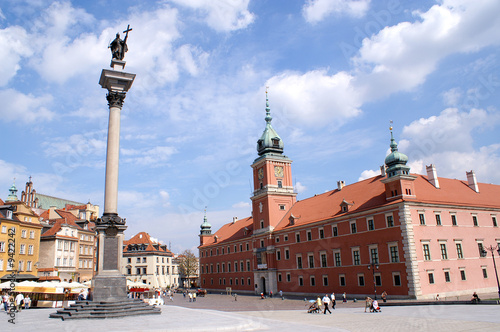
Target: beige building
(147, 260)
(67, 248)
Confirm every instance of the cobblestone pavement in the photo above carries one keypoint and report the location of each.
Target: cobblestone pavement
(249, 313)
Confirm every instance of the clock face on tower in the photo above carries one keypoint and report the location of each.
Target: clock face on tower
(278, 171)
(261, 173)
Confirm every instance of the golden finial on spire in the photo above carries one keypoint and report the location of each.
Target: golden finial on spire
(390, 127)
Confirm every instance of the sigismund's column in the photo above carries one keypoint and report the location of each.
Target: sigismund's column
(109, 284)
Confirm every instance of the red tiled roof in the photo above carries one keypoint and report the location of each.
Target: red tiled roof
(44, 215)
(232, 231)
(145, 238)
(366, 195)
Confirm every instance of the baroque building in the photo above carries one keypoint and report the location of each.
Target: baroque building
(411, 235)
(147, 260)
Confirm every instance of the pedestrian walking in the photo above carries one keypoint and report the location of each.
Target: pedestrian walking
(190, 297)
(344, 298)
(20, 301)
(194, 297)
(281, 295)
(326, 302)
(334, 302)
(384, 296)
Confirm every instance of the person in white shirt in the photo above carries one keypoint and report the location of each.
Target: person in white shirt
(326, 302)
(333, 301)
(20, 301)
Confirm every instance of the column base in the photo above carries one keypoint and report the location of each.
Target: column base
(109, 288)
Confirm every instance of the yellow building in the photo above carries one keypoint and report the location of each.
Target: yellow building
(20, 231)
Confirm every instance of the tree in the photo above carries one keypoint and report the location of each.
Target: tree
(188, 265)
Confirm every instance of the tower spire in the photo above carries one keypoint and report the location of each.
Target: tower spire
(269, 142)
(396, 161)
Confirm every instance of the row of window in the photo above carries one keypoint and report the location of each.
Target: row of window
(222, 281)
(24, 232)
(144, 270)
(67, 245)
(144, 260)
(85, 237)
(337, 257)
(453, 219)
(85, 264)
(10, 265)
(444, 249)
(221, 267)
(66, 262)
(86, 250)
(22, 248)
(222, 251)
(447, 276)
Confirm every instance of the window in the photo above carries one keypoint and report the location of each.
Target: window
(279, 278)
(313, 281)
(28, 266)
(66, 245)
(444, 254)
(453, 220)
(288, 277)
(361, 280)
(277, 239)
(280, 184)
(338, 261)
(2, 246)
(311, 261)
(138, 260)
(355, 257)
(247, 247)
(144, 259)
(30, 249)
(285, 238)
(421, 217)
(309, 236)
(299, 262)
(378, 279)
(249, 281)
(494, 221)
(262, 243)
(396, 279)
(59, 244)
(301, 281)
(21, 266)
(427, 253)
(24, 233)
(459, 250)
(32, 234)
(297, 237)
(482, 252)
(447, 276)
(321, 233)
(474, 220)
(228, 267)
(374, 255)
(4, 229)
(323, 260)
(248, 266)
(287, 253)
(394, 254)
(431, 277)
(22, 249)
(485, 273)
(282, 207)
(462, 275)
(325, 280)
(342, 279)
(353, 227)
(390, 221)
(278, 255)
(223, 267)
(262, 224)
(371, 225)
(218, 268)
(438, 219)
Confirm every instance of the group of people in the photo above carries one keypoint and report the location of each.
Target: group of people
(325, 303)
(372, 305)
(21, 302)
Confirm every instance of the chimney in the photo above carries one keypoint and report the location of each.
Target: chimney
(235, 219)
(382, 170)
(340, 185)
(432, 175)
(471, 181)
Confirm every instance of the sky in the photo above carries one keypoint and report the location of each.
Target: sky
(338, 73)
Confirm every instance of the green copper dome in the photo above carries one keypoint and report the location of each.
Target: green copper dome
(269, 142)
(13, 194)
(205, 228)
(396, 161)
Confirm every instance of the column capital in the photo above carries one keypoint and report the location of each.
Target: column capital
(115, 99)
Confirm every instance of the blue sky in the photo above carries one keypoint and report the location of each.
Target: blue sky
(338, 72)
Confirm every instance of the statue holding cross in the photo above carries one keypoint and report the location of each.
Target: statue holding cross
(119, 47)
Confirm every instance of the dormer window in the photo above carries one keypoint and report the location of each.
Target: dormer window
(276, 142)
(9, 214)
(344, 206)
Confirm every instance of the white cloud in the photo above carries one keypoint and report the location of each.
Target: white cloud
(27, 108)
(446, 141)
(222, 16)
(368, 173)
(315, 98)
(14, 44)
(165, 197)
(150, 156)
(300, 188)
(192, 59)
(452, 97)
(400, 57)
(315, 11)
(241, 205)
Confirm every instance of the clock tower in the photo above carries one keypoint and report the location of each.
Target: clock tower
(273, 193)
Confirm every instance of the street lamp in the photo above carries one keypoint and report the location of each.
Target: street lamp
(373, 267)
(492, 249)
